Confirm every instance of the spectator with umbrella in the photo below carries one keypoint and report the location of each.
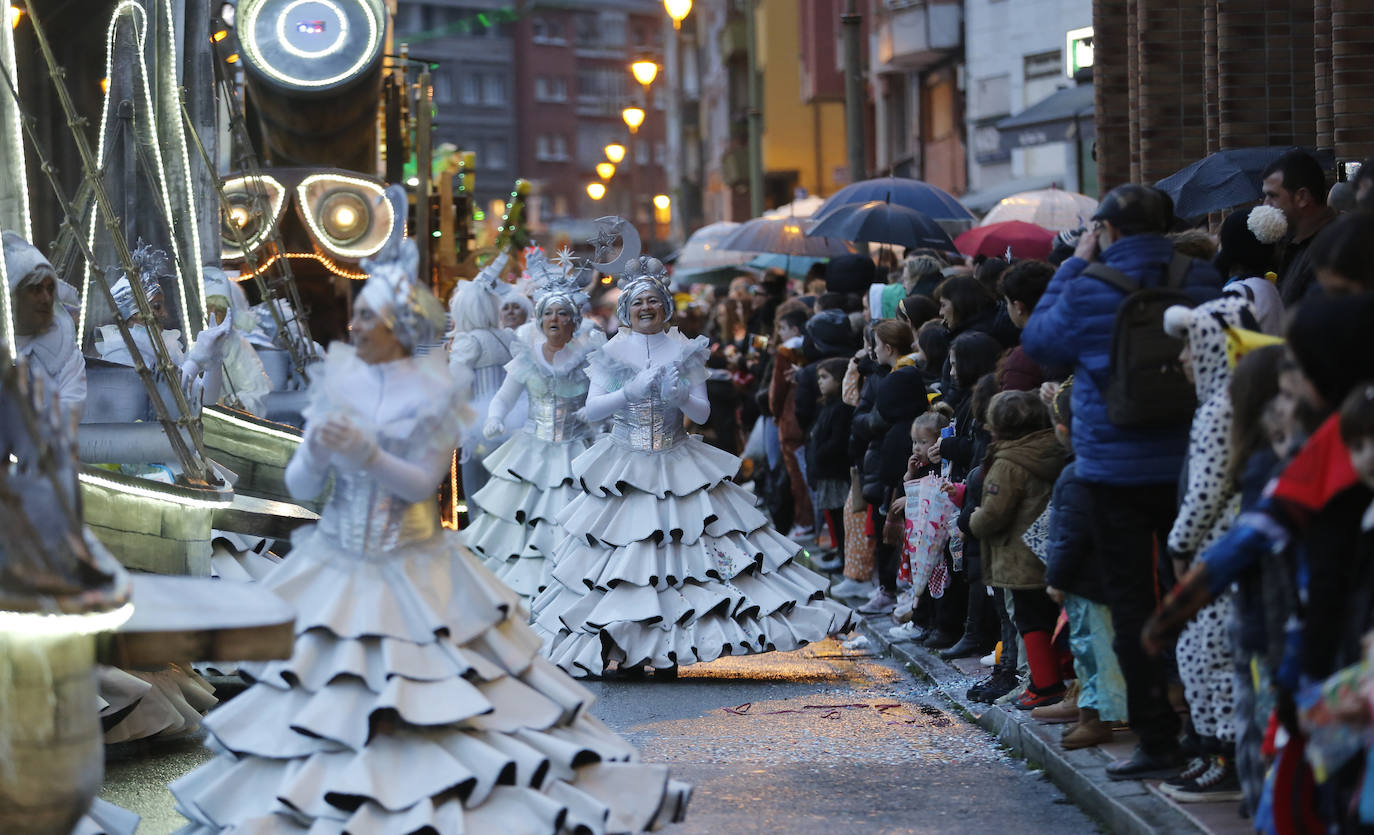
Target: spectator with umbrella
(1296, 184)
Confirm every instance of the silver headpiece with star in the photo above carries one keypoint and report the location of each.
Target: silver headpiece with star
(152, 266)
(393, 290)
(556, 282)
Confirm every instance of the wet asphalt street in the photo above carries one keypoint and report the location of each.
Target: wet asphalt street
(823, 741)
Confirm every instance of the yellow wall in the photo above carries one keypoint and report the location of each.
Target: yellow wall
(793, 129)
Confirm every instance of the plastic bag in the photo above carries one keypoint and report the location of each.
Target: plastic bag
(928, 514)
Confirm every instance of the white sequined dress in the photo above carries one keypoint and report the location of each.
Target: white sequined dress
(667, 561)
(416, 699)
(515, 527)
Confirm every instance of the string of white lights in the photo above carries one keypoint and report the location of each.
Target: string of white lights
(158, 495)
(15, 138)
(139, 17)
(253, 427)
(248, 37)
(34, 624)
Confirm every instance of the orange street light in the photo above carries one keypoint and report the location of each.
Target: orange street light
(596, 191)
(615, 152)
(605, 170)
(634, 117)
(644, 71)
(678, 11)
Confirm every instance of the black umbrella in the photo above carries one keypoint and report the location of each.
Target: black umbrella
(904, 191)
(1225, 179)
(881, 222)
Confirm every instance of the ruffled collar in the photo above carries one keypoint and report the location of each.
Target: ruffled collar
(530, 342)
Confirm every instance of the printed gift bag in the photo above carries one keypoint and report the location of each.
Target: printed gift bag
(928, 514)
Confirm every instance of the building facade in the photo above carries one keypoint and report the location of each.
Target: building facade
(1015, 55)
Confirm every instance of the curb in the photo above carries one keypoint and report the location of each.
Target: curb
(1125, 808)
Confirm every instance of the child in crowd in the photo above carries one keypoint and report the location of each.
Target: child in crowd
(1075, 583)
(1023, 463)
(925, 431)
(827, 454)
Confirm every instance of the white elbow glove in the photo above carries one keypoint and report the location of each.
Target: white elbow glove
(638, 388)
(493, 427)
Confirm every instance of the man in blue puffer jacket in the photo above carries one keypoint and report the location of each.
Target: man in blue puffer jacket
(1132, 474)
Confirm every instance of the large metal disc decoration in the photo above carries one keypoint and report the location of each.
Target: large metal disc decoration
(608, 230)
(311, 44)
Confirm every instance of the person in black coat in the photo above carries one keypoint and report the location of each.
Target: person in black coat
(899, 397)
(966, 306)
(827, 454)
(971, 356)
(825, 336)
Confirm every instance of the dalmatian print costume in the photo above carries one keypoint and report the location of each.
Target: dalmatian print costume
(1210, 504)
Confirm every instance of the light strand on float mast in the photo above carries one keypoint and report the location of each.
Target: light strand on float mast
(17, 152)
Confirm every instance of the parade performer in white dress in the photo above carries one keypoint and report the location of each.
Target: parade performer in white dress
(245, 380)
(416, 699)
(667, 562)
(531, 474)
(478, 355)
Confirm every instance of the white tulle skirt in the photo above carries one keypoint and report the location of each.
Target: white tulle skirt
(515, 519)
(415, 698)
(668, 562)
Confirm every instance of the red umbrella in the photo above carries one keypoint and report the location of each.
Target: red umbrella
(1026, 240)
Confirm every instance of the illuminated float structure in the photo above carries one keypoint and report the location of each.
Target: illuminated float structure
(139, 180)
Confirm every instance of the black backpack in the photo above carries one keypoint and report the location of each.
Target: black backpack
(1145, 386)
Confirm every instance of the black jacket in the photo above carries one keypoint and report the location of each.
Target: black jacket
(900, 396)
(967, 448)
(827, 445)
(1072, 558)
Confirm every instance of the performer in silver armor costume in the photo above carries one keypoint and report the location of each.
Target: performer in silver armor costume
(667, 561)
(416, 699)
(477, 357)
(531, 474)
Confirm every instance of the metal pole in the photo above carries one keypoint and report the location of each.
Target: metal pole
(678, 228)
(424, 169)
(755, 112)
(853, 91)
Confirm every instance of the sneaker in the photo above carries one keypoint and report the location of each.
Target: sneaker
(827, 562)
(800, 534)
(881, 603)
(1035, 697)
(939, 639)
(992, 687)
(989, 659)
(1144, 766)
(1022, 684)
(906, 632)
(1217, 784)
(851, 588)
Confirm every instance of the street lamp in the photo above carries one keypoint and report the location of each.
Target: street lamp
(678, 11)
(596, 191)
(634, 117)
(644, 71)
(662, 201)
(605, 170)
(615, 152)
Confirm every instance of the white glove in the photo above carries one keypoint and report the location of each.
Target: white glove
(190, 373)
(350, 446)
(210, 345)
(580, 415)
(493, 427)
(638, 388)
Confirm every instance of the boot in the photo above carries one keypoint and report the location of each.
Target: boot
(1089, 731)
(974, 640)
(1058, 714)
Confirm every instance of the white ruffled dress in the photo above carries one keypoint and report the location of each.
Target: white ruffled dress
(515, 527)
(416, 699)
(669, 562)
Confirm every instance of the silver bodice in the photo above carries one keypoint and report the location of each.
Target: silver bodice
(551, 416)
(368, 520)
(649, 425)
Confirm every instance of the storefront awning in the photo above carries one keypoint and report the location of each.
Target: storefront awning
(1063, 116)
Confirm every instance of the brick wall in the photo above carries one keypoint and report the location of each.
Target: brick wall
(1184, 78)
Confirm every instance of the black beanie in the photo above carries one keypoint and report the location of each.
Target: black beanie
(850, 274)
(1333, 343)
(1240, 248)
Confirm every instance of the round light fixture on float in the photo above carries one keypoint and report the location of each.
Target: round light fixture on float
(596, 191)
(615, 152)
(644, 71)
(634, 117)
(344, 216)
(605, 170)
(678, 11)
